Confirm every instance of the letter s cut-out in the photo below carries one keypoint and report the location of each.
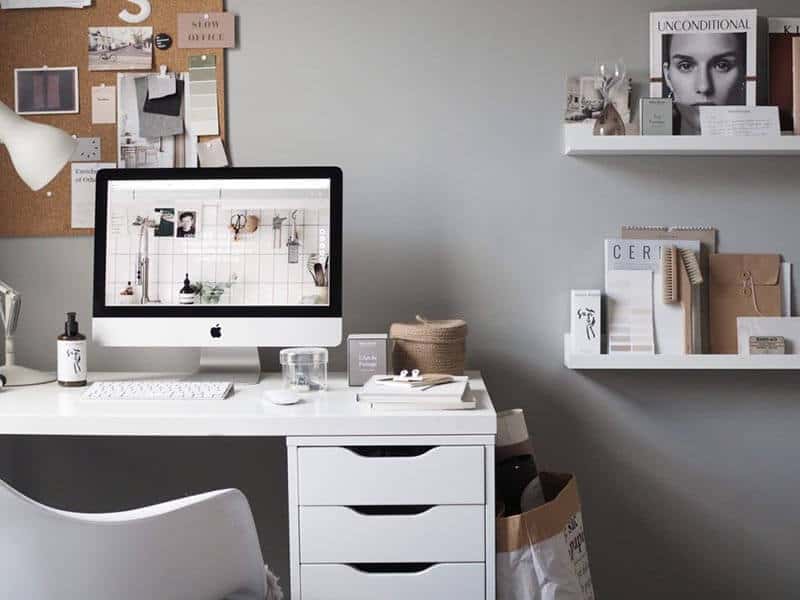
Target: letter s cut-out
(142, 15)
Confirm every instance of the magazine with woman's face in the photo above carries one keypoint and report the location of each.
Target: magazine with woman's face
(703, 58)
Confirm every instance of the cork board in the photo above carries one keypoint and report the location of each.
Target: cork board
(57, 37)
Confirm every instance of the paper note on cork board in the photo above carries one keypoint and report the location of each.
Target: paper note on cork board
(206, 30)
(104, 104)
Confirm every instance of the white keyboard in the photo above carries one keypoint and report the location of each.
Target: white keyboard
(159, 390)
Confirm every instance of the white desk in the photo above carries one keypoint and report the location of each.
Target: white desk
(426, 476)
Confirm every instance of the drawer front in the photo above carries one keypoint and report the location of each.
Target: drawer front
(336, 534)
(439, 582)
(333, 476)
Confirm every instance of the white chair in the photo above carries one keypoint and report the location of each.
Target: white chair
(203, 547)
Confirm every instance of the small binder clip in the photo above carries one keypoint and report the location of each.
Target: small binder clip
(404, 376)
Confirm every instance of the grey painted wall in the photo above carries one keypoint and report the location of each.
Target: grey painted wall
(445, 118)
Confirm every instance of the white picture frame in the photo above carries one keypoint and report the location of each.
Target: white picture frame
(25, 99)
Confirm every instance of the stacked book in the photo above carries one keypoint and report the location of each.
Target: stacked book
(383, 393)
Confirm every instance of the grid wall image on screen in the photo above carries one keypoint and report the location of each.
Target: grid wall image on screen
(238, 242)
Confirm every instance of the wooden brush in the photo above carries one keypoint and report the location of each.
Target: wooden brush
(692, 266)
(687, 303)
(669, 275)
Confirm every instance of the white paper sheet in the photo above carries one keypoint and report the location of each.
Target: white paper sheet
(212, 153)
(739, 121)
(104, 104)
(83, 187)
(189, 137)
(6, 4)
(787, 327)
(786, 289)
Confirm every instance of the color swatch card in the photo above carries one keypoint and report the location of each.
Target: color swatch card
(668, 319)
(104, 105)
(629, 296)
(204, 117)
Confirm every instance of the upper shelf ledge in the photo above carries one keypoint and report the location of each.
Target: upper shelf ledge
(579, 141)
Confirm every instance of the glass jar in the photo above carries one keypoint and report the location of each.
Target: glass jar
(305, 369)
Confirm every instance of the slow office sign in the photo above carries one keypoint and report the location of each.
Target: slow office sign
(206, 30)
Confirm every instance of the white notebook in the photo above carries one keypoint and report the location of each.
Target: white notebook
(448, 396)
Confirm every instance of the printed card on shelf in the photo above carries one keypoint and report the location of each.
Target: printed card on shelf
(740, 121)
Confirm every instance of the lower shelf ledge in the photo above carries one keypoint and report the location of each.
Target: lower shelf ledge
(691, 362)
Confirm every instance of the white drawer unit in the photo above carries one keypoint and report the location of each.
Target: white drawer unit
(437, 582)
(392, 475)
(385, 517)
(337, 534)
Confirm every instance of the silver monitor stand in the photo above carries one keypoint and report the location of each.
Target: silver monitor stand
(239, 365)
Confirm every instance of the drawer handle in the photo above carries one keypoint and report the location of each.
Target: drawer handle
(391, 567)
(390, 510)
(389, 451)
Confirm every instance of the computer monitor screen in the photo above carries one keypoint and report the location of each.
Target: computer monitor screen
(218, 242)
(248, 256)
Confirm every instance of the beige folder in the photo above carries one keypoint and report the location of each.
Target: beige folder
(741, 285)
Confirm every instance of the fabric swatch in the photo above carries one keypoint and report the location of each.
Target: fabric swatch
(158, 86)
(154, 125)
(166, 105)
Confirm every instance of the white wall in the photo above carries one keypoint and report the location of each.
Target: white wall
(445, 117)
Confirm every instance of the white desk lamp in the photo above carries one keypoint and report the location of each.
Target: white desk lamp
(38, 153)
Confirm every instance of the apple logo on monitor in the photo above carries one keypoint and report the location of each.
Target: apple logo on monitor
(216, 331)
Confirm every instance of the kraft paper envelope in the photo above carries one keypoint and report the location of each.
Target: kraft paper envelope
(741, 285)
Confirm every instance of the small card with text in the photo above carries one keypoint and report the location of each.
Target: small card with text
(207, 30)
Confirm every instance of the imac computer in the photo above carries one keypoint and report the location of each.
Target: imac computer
(225, 260)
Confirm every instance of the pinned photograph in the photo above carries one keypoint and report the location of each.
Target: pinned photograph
(46, 91)
(165, 217)
(136, 151)
(187, 224)
(120, 48)
(584, 101)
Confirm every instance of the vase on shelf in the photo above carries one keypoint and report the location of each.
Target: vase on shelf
(609, 75)
(609, 122)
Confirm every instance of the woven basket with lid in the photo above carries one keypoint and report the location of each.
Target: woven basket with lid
(430, 346)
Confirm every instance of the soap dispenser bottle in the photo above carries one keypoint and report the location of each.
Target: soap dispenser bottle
(187, 293)
(71, 354)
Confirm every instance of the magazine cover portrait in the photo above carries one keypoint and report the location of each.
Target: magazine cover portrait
(703, 58)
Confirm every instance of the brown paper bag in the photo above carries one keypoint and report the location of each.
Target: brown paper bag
(541, 553)
(742, 285)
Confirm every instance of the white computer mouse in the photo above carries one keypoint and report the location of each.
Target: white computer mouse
(281, 397)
